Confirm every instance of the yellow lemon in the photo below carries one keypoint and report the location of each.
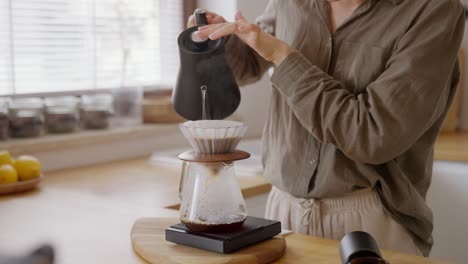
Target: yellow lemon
(28, 167)
(8, 174)
(5, 157)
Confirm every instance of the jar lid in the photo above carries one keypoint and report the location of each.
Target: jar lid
(27, 113)
(59, 110)
(103, 100)
(4, 102)
(62, 101)
(26, 103)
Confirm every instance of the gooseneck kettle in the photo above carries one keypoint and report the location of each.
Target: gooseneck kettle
(205, 82)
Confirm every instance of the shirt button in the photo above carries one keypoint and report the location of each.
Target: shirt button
(312, 162)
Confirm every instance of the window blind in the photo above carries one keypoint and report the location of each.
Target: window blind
(5, 52)
(68, 45)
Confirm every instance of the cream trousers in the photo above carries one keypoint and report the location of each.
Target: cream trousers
(335, 217)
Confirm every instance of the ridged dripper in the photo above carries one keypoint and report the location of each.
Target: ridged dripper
(213, 136)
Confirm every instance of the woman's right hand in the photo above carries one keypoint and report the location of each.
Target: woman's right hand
(211, 17)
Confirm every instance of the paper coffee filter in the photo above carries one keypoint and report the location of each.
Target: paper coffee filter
(213, 136)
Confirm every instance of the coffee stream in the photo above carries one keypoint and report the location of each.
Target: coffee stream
(204, 91)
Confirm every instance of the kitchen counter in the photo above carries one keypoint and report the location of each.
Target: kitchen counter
(136, 181)
(87, 214)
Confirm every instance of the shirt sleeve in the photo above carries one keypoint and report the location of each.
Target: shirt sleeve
(397, 108)
(246, 64)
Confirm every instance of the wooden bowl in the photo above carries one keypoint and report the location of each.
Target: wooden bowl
(20, 186)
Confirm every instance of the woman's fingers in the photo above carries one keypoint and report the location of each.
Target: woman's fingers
(239, 16)
(210, 27)
(216, 31)
(191, 21)
(216, 20)
(205, 31)
(227, 29)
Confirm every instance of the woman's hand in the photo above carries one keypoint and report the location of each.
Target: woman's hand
(267, 46)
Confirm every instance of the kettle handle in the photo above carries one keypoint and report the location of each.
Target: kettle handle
(200, 17)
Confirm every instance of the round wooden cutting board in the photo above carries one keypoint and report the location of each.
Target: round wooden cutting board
(148, 239)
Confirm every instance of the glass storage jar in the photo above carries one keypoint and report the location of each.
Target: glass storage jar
(26, 117)
(61, 114)
(4, 120)
(96, 111)
(128, 103)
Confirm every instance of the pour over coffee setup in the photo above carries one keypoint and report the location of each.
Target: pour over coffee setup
(213, 224)
(213, 215)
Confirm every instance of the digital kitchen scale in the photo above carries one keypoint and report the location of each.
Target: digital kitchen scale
(253, 230)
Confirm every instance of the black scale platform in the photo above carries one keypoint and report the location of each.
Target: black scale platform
(254, 230)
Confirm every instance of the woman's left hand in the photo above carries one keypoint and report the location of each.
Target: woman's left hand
(267, 46)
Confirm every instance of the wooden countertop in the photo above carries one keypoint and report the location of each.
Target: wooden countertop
(315, 250)
(452, 147)
(87, 213)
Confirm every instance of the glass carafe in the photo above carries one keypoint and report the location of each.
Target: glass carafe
(211, 198)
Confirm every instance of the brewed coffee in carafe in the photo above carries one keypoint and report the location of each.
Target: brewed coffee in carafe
(204, 71)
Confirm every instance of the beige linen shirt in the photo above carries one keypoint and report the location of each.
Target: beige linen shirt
(360, 107)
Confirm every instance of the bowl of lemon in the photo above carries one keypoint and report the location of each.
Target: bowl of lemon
(18, 175)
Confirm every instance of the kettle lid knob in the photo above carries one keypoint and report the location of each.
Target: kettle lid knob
(200, 17)
(200, 20)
